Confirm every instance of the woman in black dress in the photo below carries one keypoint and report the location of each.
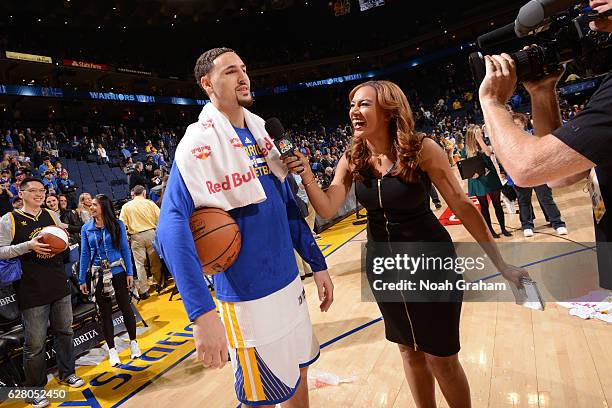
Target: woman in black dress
(393, 168)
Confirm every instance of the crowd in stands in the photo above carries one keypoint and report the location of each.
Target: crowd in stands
(39, 153)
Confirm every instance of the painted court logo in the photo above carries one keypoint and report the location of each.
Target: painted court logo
(202, 152)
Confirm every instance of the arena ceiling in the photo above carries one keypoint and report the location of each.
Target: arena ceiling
(163, 13)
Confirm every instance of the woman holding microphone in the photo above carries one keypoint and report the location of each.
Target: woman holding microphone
(393, 168)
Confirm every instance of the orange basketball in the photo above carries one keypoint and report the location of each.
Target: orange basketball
(217, 239)
(55, 237)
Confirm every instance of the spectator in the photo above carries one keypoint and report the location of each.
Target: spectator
(140, 217)
(5, 195)
(138, 176)
(327, 177)
(544, 194)
(52, 203)
(125, 153)
(150, 167)
(127, 166)
(84, 207)
(43, 295)
(101, 152)
(50, 183)
(67, 187)
(22, 158)
(45, 167)
(15, 187)
(148, 147)
(17, 203)
(487, 184)
(71, 219)
(157, 178)
(104, 247)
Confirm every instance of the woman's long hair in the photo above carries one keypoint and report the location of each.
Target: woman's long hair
(110, 219)
(471, 144)
(405, 143)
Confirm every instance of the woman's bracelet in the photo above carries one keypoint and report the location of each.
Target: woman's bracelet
(310, 182)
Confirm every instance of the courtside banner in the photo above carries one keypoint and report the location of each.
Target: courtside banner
(87, 65)
(28, 57)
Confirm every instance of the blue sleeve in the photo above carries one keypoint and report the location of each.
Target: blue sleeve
(301, 235)
(85, 255)
(125, 250)
(178, 249)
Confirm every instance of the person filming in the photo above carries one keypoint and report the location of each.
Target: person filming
(560, 155)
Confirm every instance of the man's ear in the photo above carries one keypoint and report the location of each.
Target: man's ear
(206, 84)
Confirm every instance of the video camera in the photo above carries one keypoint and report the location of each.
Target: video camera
(559, 29)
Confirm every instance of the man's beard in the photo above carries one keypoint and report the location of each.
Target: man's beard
(246, 103)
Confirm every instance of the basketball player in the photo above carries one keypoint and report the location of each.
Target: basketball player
(260, 298)
(43, 295)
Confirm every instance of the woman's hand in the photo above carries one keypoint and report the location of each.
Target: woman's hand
(83, 288)
(513, 274)
(299, 164)
(130, 281)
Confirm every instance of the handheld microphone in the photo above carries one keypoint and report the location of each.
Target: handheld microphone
(283, 143)
(531, 16)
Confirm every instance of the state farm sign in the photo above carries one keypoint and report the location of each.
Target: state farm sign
(88, 65)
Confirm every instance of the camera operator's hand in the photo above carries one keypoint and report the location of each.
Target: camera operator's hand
(500, 80)
(544, 85)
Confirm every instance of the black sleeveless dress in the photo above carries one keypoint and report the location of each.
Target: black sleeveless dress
(401, 222)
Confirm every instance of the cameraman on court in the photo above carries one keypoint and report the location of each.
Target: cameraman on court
(560, 155)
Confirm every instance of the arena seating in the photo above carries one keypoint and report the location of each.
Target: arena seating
(96, 178)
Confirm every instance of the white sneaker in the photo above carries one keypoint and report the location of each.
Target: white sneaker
(113, 357)
(134, 349)
(528, 232)
(39, 402)
(562, 231)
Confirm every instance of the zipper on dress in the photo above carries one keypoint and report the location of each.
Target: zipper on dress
(416, 346)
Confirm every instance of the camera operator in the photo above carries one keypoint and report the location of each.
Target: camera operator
(560, 155)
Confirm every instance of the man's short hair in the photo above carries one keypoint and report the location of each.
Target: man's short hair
(204, 64)
(27, 180)
(138, 190)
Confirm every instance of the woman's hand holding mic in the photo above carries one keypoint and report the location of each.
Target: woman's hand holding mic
(299, 164)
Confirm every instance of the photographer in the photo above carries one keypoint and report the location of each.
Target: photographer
(560, 155)
(5, 197)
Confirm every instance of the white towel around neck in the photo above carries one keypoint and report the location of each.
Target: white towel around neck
(215, 166)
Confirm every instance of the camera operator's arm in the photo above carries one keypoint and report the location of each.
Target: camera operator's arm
(530, 161)
(547, 116)
(544, 103)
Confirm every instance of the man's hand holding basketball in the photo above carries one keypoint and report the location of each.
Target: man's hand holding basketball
(325, 288)
(210, 341)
